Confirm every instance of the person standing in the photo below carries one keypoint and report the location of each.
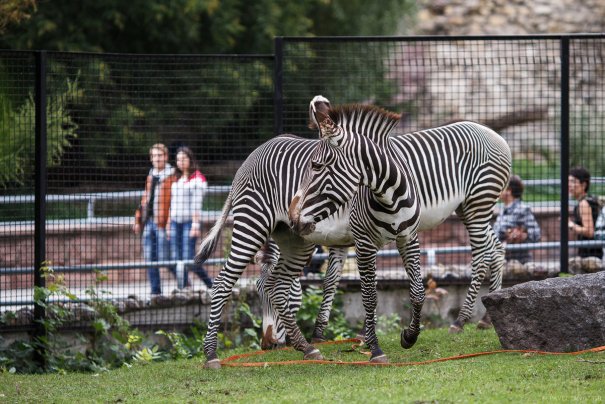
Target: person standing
(516, 223)
(151, 217)
(186, 212)
(585, 213)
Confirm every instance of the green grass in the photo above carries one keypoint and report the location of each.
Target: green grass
(508, 377)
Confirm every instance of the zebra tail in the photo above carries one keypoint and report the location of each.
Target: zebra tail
(210, 242)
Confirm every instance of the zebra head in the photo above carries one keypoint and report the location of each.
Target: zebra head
(340, 163)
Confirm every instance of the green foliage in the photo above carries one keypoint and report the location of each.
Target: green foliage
(388, 324)
(15, 11)
(17, 128)
(185, 346)
(110, 344)
(191, 26)
(115, 119)
(244, 329)
(337, 328)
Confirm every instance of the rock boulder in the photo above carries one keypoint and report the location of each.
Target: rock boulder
(556, 314)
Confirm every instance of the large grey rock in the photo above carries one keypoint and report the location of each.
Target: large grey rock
(557, 314)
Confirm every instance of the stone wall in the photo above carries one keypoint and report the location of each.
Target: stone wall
(511, 86)
(509, 17)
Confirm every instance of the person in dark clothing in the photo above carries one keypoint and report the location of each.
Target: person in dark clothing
(584, 217)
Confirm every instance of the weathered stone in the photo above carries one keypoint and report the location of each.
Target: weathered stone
(557, 314)
(591, 265)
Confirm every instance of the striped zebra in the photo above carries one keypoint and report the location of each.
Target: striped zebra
(461, 167)
(385, 209)
(260, 197)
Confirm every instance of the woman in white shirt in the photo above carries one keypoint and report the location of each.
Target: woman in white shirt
(186, 212)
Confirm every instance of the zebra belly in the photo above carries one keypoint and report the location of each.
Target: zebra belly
(433, 216)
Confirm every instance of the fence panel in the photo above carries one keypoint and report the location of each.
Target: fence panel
(17, 142)
(512, 85)
(105, 111)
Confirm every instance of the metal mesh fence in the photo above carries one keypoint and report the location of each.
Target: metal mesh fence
(512, 85)
(104, 112)
(17, 122)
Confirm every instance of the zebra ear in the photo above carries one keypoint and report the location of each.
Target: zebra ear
(318, 105)
(327, 127)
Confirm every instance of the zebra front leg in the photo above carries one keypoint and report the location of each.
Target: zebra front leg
(278, 286)
(366, 263)
(409, 251)
(336, 260)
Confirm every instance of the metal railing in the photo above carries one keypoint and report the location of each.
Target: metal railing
(92, 198)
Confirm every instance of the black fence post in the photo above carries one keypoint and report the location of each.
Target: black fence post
(278, 101)
(40, 194)
(564, 253)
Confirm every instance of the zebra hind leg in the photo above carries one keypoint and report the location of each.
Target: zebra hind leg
(336, 260)
(484, 245)
(495, 281)
(279, 287)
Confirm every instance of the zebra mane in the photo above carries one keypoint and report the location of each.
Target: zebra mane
(380, 120)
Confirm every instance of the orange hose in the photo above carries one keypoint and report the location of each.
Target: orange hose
(230, 361)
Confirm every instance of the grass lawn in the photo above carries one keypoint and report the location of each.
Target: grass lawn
(508, 377)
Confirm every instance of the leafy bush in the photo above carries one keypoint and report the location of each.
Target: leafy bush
(337, 328)
(17, 128)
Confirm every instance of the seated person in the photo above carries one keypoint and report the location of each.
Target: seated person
(582, 221)
(516, 223)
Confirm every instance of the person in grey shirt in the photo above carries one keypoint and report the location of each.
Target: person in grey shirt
(516, 223)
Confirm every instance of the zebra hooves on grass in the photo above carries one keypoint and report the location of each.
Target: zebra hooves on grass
(485, 323)
(212, 364)
(378, 357)
(312, 353)
(457, 327)
(315, 340)
(408, 339)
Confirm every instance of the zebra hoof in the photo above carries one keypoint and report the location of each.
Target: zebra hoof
(317, 339)
(213, 364)
(313, 355)
(408, 339)
(456, 328)
(379, 359)
(484, 325)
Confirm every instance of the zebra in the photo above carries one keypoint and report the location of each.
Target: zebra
(260, 197)
(461, 167)
(385, 209)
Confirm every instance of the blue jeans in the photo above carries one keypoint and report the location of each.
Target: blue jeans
(182, 248)
(155, 248)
